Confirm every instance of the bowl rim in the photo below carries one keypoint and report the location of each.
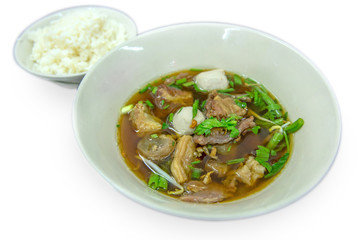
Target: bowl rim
(64, 77)
(210, 217)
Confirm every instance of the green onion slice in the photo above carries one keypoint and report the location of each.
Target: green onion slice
(171, 117)
(197, 89)
(237, 79)
(234, 161)
(144, 89)
(196, 173)
(153, 181)
(226, 90)
(149, 104)
(126, 109)
(154, 135)
(181, 81)
(154, 90)
(188, 84)
(195, 108)
(195, 162)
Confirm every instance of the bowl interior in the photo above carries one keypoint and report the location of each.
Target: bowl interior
(297, 83)
(23, 45)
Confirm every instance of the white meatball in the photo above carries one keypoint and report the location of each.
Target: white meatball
(183, 119)
(212, 80)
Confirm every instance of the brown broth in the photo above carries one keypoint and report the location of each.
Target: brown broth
(128, 139)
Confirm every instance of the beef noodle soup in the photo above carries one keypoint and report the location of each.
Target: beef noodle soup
(205, 136)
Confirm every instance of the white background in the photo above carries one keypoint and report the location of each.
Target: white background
(48, 190)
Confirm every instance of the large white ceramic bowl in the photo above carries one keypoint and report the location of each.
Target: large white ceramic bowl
(295, 80)
(23, 45)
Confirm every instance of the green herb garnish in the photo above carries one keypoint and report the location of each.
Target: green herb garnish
(165, 126)
(234, 161)
(157, 182)
(250, 81)
(226, 90)
(240, 104)
(237, 79)
(273, 152)
(195, 108)
(255, 129)
(210, 123)
(287, 141)
(285, 116)
(195, 172)
(144, 89)
(171, 117)
(262, 156)
(188, 84)
(203, 103)
(275, 140)
(295, 126)
(175, 86)
(154, 135)
(149, 104)
(154, 90)
(272, 106)
(181, 81)
(197, 89)
(229, 149)
(126, 109)
(195, 162)
(276, 167)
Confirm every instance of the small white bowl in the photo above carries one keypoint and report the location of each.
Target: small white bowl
(292, 77)
(23, 45)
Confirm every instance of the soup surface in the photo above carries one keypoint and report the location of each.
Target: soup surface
(205, 136)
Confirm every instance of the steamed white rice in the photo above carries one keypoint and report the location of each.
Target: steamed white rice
(74, 42)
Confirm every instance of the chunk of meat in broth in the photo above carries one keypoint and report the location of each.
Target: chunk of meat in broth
(195, 186)
(220, 169)
(217, 136)
(246, 124)
(247, 173)
(222, 106)
(206, 193)
(167, 99)
(183, 156)
(250, 171)
(143, 121)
